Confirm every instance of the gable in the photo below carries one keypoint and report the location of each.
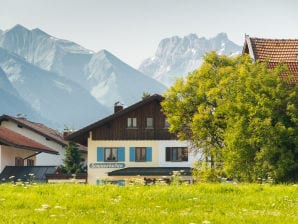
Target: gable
(118, 129)
(114, 127)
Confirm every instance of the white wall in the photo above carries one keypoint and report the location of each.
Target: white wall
(158, 156)
(43, 159)
(192, 157)
(8, 154)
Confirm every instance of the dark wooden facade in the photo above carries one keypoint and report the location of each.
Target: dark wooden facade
(115, 126)
(117, 129)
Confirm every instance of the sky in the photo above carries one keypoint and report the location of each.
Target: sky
(132, 29)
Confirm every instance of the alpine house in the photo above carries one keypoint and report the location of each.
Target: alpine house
(134, 141)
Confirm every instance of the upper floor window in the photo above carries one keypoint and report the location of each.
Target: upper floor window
(19, 161)
(111, 154)
(132, 122)
(149, 122)
(167, 124)
(140, 154)
(176, 154)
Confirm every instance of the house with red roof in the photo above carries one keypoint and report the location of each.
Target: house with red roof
(42, 135)
(17, 150)
(274, 51)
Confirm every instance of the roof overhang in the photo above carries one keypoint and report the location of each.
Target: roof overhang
(151, 171)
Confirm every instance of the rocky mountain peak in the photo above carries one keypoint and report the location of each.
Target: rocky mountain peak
(177, 56)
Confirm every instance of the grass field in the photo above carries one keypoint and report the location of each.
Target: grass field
(204, 203)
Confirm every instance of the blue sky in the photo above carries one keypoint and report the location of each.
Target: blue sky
(132, 29)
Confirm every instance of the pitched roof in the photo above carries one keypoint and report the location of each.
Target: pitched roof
(274, 51)
(11, 138)
(40, 129)
(37, 128)
(24, 172)
(85, 130)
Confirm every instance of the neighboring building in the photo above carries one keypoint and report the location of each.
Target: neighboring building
(274, 51)
(43, 135)
(134, 141)
(18, 150)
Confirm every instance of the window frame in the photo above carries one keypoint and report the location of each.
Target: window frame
(143, 154)
(18, 161)
(30, 162)
(132, 122)
(167, 124)
(174, 157)
(152, 124)
(112, 149)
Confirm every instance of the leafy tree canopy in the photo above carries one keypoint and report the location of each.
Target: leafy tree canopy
(240, 115)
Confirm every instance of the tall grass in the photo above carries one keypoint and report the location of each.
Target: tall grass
(204, 203)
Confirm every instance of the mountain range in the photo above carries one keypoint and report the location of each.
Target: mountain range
(61, 83)
(176, 56)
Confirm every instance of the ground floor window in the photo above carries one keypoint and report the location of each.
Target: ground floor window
(140, 154)
(30, 162)
(176, 154)
(19, 161)
(111, 154)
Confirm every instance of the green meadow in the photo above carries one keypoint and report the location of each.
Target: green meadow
(202, 203)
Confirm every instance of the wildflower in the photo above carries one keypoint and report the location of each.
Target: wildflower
(206, 222)
(39, 209)
(45, 206)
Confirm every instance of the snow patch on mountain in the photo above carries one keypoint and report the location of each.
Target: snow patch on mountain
(175, 57)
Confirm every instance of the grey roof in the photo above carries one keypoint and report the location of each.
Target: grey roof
(22, 172)
(150, 171)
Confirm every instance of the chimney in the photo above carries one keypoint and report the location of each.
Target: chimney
(118, 107)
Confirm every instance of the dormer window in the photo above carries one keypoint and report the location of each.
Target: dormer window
(132, 122)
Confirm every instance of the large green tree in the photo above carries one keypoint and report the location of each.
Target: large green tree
(240, 115)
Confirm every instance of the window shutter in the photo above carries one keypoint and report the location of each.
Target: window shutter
(121, 154)
(149, 154)
(132, 154)
(100, 154)
(168, 154)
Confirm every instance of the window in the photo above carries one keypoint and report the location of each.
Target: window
(30, 162)
(176, 154)
(149, 122)
(132, 122)
(167, 124)
(111, 154)
(140, 154)
(19, 161)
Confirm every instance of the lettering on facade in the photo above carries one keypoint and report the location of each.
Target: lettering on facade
(106, 165)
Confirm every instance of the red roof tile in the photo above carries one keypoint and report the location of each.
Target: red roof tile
(274, 51)
(41, 129)
(12, 138)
